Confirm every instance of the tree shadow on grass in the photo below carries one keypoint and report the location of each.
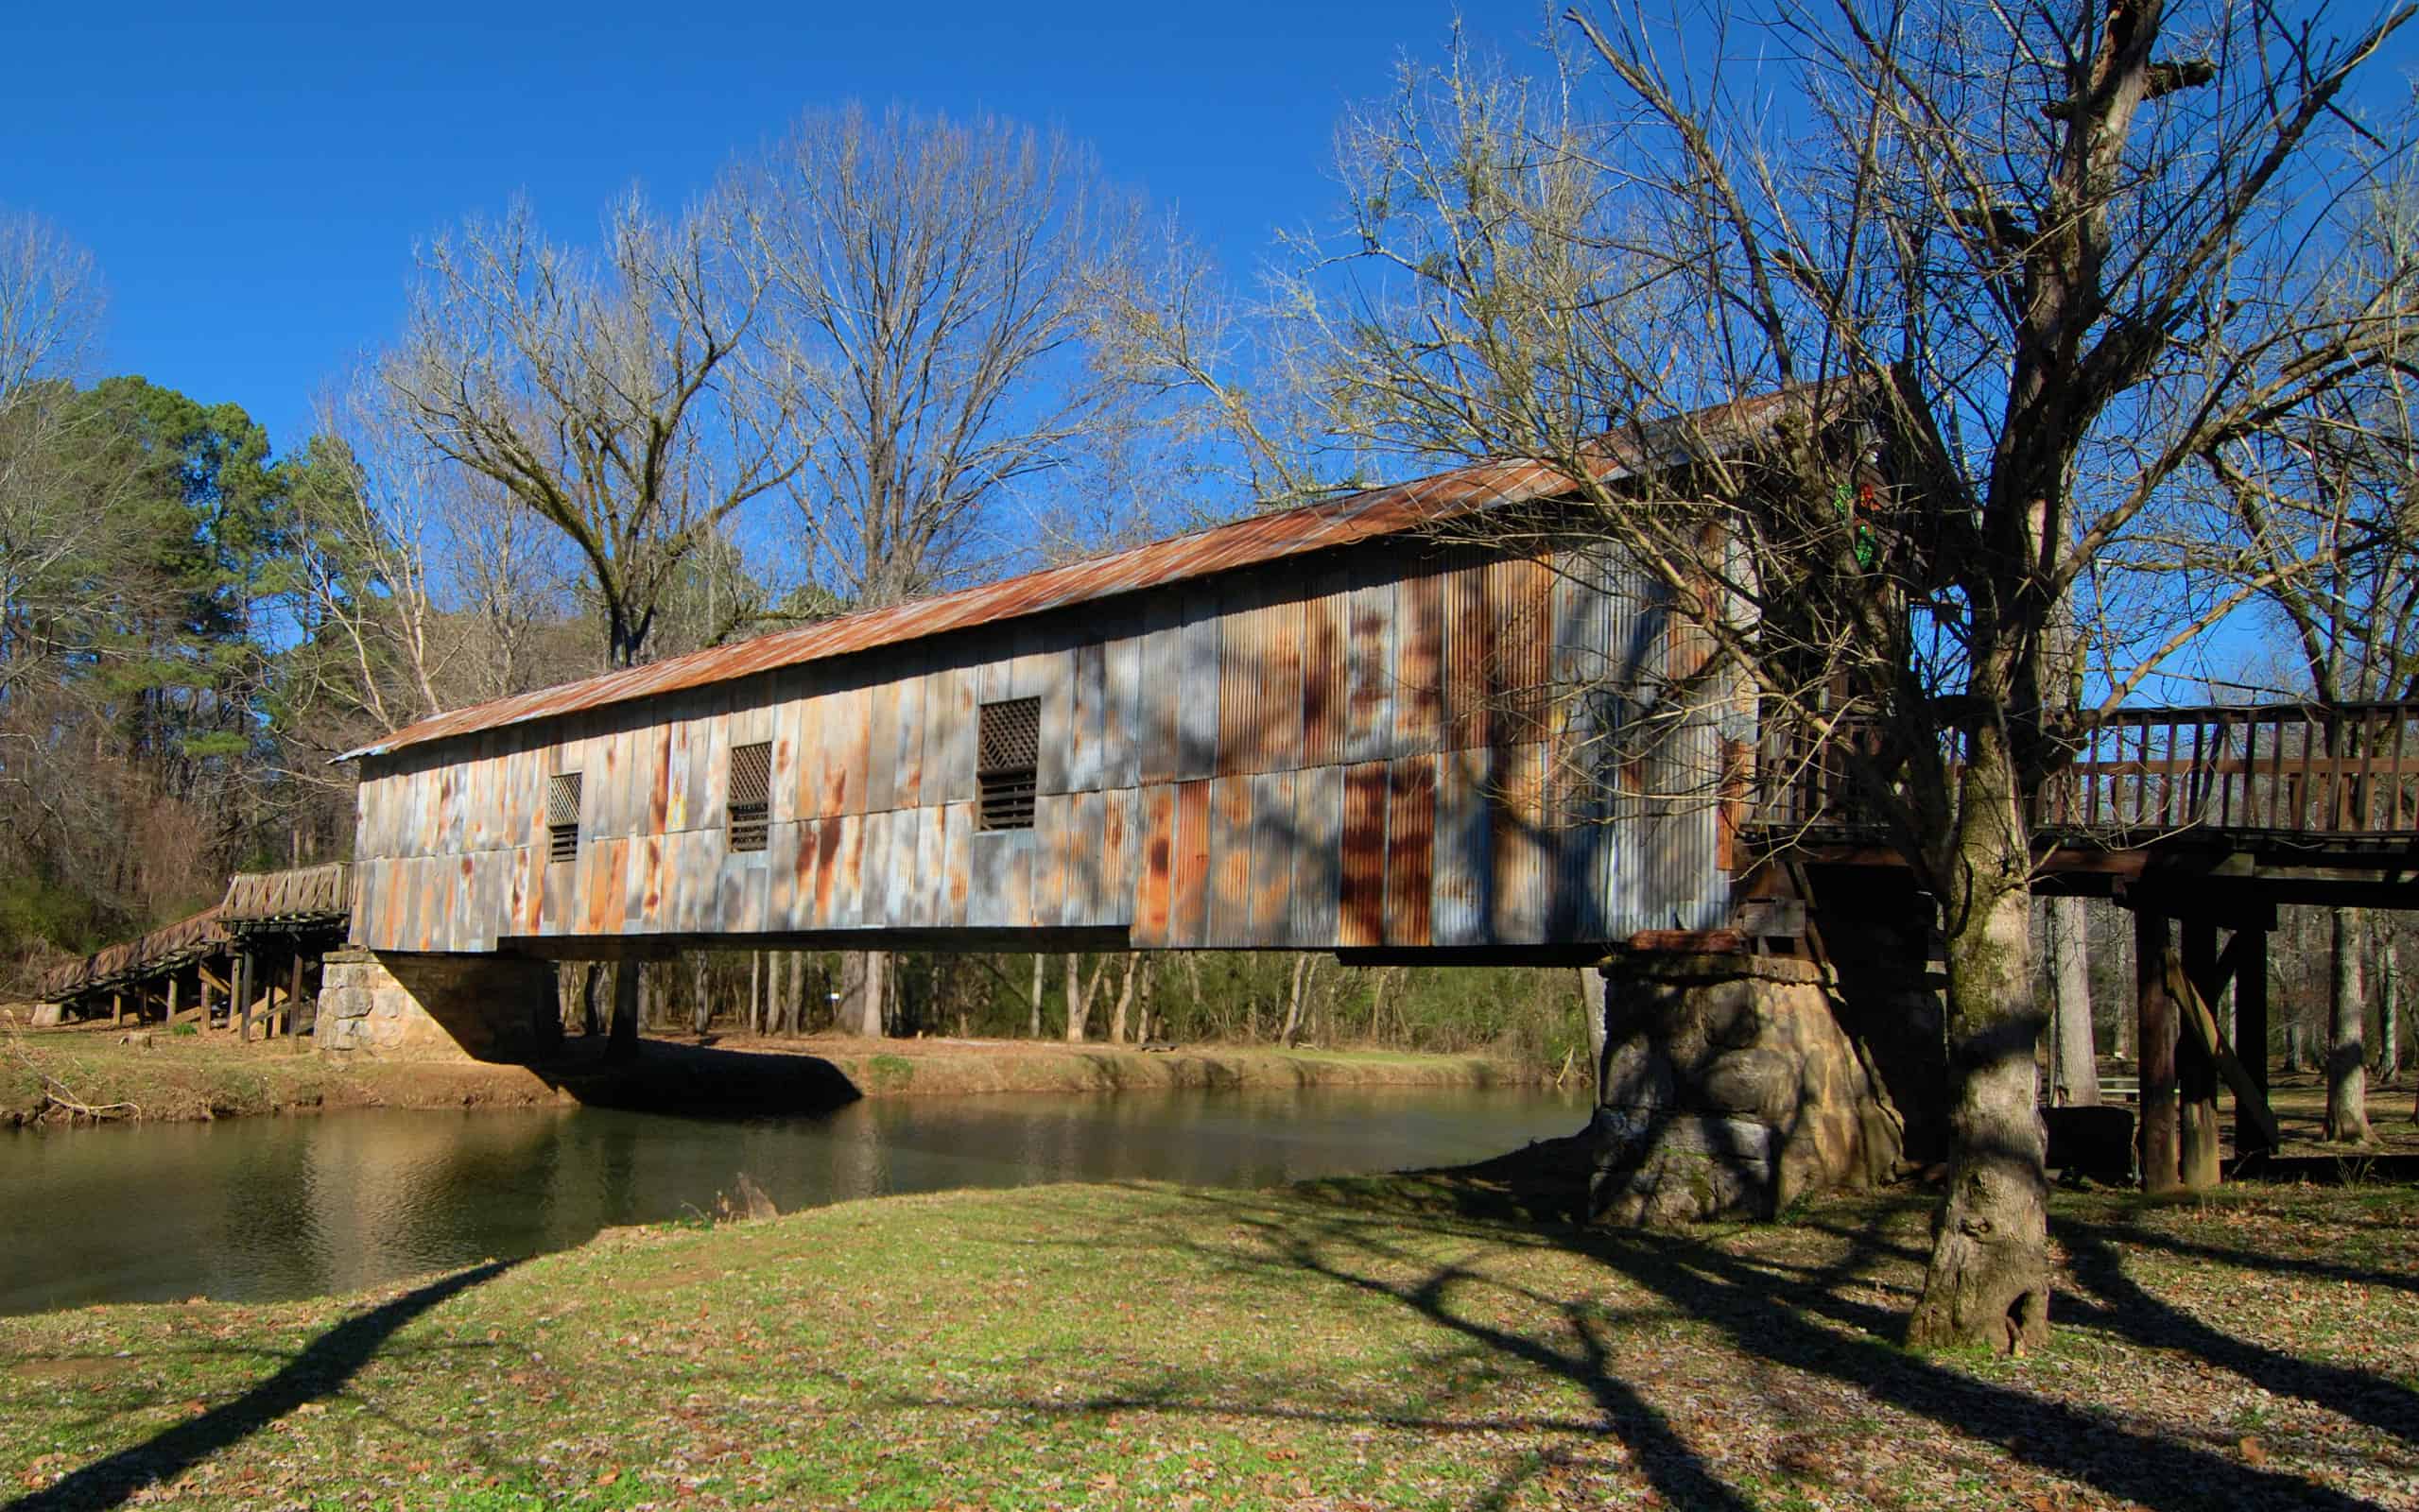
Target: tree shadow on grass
(1782, 1315)
(2130, 1312)
(321, 1370)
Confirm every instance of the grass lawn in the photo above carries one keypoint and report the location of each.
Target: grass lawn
(1353, 1343)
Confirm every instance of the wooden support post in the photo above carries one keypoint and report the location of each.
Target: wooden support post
(294, 992)
(2155, 1031)
(2196, 1065)
(117, 1007)
(240, 1013)
(172, 1000)
(2250, 1036)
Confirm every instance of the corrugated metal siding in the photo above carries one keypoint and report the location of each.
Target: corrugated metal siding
(1348, 752)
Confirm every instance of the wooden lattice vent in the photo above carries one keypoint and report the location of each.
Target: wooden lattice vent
(563, 816)
(1007, 756)
(751, 796)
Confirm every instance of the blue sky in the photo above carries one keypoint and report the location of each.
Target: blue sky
(252, 188)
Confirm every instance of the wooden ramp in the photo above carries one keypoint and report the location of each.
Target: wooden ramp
(253, 953)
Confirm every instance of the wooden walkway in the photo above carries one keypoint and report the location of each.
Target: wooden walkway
(222, 964)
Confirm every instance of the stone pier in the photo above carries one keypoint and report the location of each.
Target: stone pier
(1732, 1085)
(391, 1006)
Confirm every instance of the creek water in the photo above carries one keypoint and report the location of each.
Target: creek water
(271, 1207)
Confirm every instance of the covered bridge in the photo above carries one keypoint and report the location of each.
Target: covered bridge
(1332, 728)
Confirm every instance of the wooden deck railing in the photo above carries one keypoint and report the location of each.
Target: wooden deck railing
(2340, 771)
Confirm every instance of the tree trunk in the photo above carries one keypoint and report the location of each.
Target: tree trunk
(2389, 1007)
(1079, 998)
(1125, 998)
(700, 997)
(755, 991)
(2078, 1068)
(1591, 998)
(592, 1018)
(1292, 1030)
(2347, 1068)
(623, 1046)
(1033, 1029)
(863, 980)
(1989, 1280)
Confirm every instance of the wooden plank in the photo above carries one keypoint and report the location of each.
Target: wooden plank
(2155, 1038)
(2200, 1026)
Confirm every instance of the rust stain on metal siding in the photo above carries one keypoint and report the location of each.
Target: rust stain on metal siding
(1369, 661)
(1272, 846)
(827, 870)
(1188, 889)
(1113, 898)
(1230, 920)
(1361, 905)
(1520, 590)
(1325, 671)
(651, 900)
(1521, 842)
(1419, 662)
(1152, 889)
(1410, 849)
(1470, 650)
(1243, 691)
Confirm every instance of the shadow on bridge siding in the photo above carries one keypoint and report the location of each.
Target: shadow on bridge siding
(1807, 1320)
(319, 1371)
(699, 1080)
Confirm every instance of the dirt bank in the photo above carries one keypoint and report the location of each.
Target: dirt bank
(47, 1076)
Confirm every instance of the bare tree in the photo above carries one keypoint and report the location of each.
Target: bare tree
(2015, 275)
(599, 391)
(926, 297)
(2333, 484)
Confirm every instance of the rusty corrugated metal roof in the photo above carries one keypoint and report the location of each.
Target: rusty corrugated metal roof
(1264, 538)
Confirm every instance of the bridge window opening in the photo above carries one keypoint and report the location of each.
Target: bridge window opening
(563, 816)
(751, 796)
(1006, 757)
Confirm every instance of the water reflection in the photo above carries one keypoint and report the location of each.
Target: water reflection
(275, 1208)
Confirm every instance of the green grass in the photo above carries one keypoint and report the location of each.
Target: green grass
(1365, 1344)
